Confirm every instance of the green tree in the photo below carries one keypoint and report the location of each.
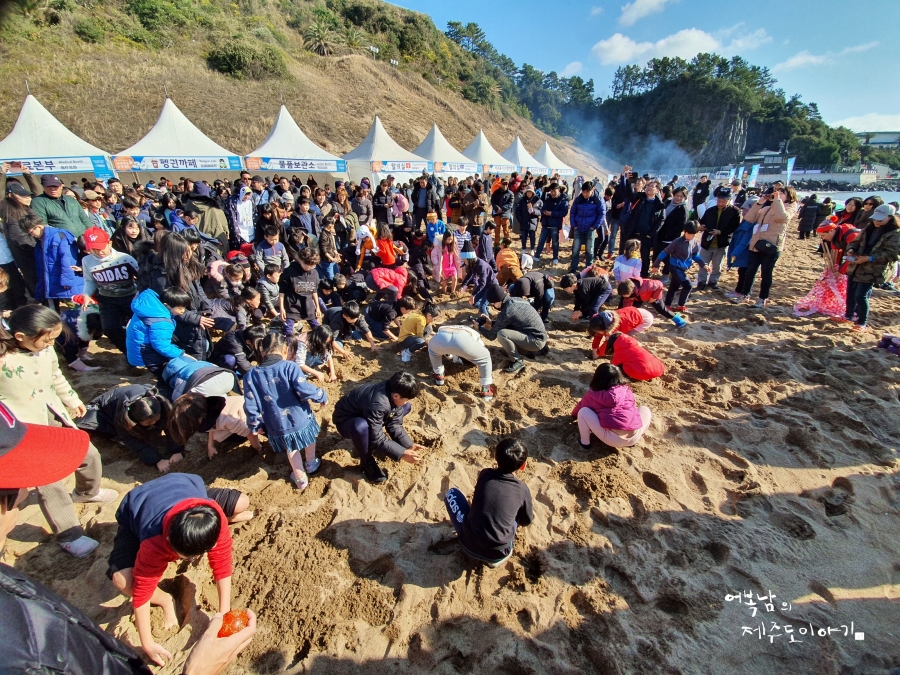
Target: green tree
(318, 38)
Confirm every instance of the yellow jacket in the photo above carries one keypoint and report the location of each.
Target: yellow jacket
(33, 386)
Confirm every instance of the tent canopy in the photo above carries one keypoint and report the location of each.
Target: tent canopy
(448, 161)
(287, 148)
(379, 155)
(546, 157)
(518, 155)
(174, 143)
(42, 144)
(490, 161)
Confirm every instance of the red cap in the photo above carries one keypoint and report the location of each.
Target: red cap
(32, 455)
(95, 239)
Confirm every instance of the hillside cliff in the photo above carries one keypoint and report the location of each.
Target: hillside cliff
(110, 91)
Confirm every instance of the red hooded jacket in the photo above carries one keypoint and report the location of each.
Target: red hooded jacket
(637, 362)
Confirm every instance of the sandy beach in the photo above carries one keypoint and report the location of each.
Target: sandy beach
(769, 470)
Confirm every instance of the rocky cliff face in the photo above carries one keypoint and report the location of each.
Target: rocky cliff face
(727, 139)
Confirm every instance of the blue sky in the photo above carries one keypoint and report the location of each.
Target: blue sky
(830, 52)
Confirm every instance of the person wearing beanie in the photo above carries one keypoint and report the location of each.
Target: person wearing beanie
(629, 320)
(476, 205)
(717, 226)
(110, 279)
(479, 277)
(518, 327)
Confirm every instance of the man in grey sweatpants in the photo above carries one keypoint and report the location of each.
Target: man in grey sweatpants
(519, 327)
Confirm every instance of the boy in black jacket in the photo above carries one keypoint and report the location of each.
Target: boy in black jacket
(487, 528)
(372, 417)
(590, 294)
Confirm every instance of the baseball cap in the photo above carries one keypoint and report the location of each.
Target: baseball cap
(882, 212)
(90, 195)
(24, 457)
(50, 181)
(257, 179)
(17, 189)
(95, 239)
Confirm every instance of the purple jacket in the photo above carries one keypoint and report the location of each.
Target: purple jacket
(615, 407)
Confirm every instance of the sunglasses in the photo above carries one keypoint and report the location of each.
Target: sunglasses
(868, 203)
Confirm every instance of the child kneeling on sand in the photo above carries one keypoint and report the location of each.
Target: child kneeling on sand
(637, 362)
(609, 412)
(502, 502)
(626, 320)
(175, 517)
(372, 417)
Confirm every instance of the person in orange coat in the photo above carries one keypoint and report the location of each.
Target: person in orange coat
(635, 361)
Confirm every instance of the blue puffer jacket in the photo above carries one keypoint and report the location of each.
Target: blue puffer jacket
(54, 260)
(148, 337)
(183, 373)
(558, 208)
(739, 246)
(587, 214)
(277, 396)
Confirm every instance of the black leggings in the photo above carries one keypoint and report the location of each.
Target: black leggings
(674, 285)
(766, 263)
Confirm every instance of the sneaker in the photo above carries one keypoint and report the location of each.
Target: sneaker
(455, 359)
(514, 367)
(487, 392)
(105, 495)
(760, 303)
(731, 295)
(584, 446)
(439, 380)
(555, 261)
(713, 287)
(374, 473)
(739, 299)
(312, 466)
(839, 319)
(678, 309)
(82, 367)
(701, 287)
(406, 356)
(859, 328)
(543, 351)
(300, 482)
(80, 547)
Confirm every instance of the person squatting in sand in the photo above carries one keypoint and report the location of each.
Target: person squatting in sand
(501, 503)
(608, 410)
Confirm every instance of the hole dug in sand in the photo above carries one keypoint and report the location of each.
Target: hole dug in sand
(654, 482)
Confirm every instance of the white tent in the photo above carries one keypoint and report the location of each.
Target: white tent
(546, 157)
(489, 160)
(41, 143)
(448, 161)
(379, 155)
(287, 148)
(518, 155)
(175, 144)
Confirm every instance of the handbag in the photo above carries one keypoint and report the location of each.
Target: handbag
(765, 247)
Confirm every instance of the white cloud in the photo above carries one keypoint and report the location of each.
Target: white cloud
(572, 69)
(871, 122)
(685, 43)
(804, 58)
(596, 10)
(638, 9)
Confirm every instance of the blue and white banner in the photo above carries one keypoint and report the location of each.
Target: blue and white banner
(790, 168)
(285, 164)
(95, 165)
(754, 174)
(456, 167)
(402, 167)
(223, 163)
(499, 168)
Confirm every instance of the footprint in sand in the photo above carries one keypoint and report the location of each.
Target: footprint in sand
(697, 483)
(793, 525)
(654, 482)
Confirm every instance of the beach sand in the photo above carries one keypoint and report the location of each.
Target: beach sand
(769, 468)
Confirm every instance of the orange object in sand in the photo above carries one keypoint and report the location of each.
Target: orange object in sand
(234, 622)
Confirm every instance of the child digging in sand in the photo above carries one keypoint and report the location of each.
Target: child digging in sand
(681, 254)
(502, 502)
(626, 320)
(175, 517)
(609, 412)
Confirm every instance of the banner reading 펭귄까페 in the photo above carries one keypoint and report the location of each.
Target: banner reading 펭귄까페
(220, 163)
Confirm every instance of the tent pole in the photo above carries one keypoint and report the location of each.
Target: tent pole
(166, 89)
(27, 88)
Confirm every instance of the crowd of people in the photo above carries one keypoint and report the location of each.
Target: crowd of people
(238, 297)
